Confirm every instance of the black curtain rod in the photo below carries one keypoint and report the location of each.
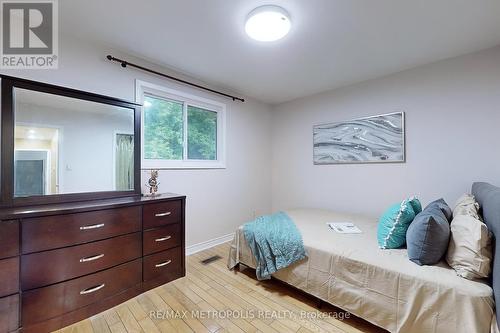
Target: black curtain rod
(125, 63)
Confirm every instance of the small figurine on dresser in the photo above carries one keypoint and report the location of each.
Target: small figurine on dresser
(153, 184)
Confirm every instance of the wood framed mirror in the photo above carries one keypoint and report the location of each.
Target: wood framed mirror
(63, 145)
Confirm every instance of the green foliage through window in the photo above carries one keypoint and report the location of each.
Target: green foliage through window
(202, 134)
(164, 131)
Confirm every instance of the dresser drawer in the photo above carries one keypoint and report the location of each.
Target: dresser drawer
(9, 238)
(37, 269)
(9, 313)
(50, 232)
(48, 302)
(167, 264)
(162, 213)
(9, 276)
(164, 238)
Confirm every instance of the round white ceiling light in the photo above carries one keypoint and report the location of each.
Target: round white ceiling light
(268, 23)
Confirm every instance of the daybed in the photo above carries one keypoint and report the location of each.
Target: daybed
(381, 286)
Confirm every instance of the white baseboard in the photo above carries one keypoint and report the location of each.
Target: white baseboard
(192, 249)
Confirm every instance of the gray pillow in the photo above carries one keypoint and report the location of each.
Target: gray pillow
(428, 235)
(441, 204)
(488, 197)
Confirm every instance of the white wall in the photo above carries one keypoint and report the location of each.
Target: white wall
(217, 200)
(452, 131)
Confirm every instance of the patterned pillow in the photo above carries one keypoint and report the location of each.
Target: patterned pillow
(393, 224)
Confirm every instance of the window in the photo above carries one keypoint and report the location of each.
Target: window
(180, 130)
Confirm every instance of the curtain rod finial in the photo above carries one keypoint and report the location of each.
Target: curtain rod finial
(109, 57)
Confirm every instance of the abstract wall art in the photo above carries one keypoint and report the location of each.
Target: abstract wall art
(376, 139)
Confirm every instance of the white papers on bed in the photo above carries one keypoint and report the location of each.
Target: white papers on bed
(344, 227)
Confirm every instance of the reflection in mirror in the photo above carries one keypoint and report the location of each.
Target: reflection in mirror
(67, 145)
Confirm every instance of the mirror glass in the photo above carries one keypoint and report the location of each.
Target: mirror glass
(67, 145)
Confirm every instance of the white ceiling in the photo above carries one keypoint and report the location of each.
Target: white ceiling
(332, 43)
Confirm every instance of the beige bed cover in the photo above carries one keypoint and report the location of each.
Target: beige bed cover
(381, 286)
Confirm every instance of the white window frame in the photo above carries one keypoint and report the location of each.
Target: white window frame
(142, 88)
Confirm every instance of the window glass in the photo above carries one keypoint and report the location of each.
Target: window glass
(202, 134)
(163, 129)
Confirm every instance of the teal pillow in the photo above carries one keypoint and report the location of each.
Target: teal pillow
(393, 224)
(415, 204)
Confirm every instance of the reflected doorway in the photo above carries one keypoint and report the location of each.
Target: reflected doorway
(36, 160)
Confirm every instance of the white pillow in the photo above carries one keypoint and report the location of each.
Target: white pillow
(467, 205)
(469, 250)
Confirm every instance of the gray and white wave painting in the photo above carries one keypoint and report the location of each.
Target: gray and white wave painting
(365, 140)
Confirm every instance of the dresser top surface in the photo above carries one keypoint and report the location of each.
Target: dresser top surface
(82, 206)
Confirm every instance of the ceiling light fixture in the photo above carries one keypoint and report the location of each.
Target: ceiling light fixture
(268, 23)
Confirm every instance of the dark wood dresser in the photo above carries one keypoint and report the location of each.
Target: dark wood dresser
(61, 263)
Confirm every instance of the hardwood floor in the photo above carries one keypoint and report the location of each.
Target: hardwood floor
(213, 299)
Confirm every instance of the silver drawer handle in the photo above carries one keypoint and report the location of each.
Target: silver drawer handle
(163, 263)
(163, 239)
(163, 214)
(92, 290)
(87, 259)
(94, 226)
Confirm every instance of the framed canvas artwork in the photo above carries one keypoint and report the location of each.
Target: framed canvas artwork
(375, 139)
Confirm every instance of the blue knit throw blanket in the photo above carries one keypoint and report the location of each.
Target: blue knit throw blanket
(275, 242)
